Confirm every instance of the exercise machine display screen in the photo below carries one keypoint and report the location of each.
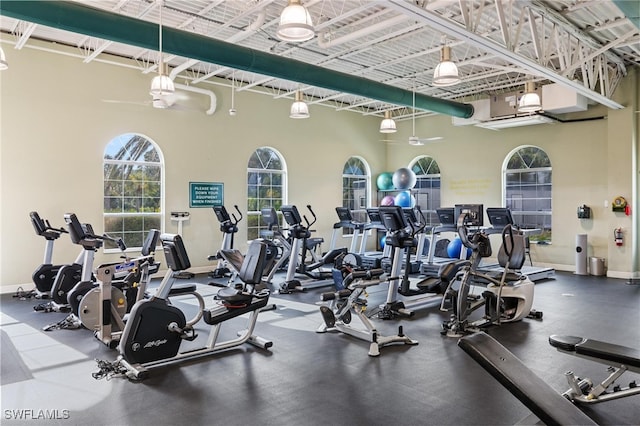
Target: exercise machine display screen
(475, 214)
(499, 217)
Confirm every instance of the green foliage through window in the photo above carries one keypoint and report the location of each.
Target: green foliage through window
(132, 189)
(266, 187)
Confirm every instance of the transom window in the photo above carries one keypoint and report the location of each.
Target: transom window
(427, 189)
(356, 192)
(266, 187)
(527, 190)
(133, 189)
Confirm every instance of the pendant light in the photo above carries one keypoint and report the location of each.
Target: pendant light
(387, 125)
(446, 73)
(161, 84)
(530, 101)
(295, 23)
(3, 60)
(298, 108)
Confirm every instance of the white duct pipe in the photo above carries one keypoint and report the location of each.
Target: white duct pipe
(212, 96)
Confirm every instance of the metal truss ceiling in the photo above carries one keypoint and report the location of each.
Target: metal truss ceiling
(497, 44)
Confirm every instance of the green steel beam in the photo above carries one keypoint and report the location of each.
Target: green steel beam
(631, 10)
(78, 18)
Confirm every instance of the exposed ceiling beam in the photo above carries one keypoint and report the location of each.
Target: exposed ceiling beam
(78, 18)
(460, 33)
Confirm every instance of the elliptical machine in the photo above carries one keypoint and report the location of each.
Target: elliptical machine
(156, 329)
(228, 227)
(300, 234)
(402, 230)
(508, 298)
(278, 243)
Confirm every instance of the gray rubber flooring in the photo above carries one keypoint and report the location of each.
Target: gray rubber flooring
(308, 378)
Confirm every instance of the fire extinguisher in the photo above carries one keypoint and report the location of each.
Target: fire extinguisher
(617, 236)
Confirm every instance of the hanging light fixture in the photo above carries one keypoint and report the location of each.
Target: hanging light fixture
(161, 84)
(299, 109)
(387, 125)
(3, 60)
(446, 73)
(295, 23)
(530, 101)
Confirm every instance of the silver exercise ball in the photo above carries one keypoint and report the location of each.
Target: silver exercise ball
(404, 178)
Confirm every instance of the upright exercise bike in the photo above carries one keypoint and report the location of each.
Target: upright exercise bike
(45, 274)
(156, 329)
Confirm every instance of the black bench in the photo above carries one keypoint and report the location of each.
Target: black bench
(543, 401)
(618, 358)
(599, 351)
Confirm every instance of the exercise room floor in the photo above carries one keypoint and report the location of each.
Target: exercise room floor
(308, 378)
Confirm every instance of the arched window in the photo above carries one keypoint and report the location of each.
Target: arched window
(266, 187)
(133, 189)
(527, 189)
(427, 189)
(356, 192)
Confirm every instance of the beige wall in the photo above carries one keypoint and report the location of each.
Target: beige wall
(55, 123)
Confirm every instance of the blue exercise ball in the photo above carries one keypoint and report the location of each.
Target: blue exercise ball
(454, 248)
(383, 241)
(404, 178)
(385, 181)
(405, 199)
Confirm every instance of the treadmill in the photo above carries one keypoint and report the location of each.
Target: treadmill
(373, 259)
(432, 265)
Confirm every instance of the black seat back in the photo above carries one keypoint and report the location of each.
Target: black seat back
(174, 252)
(38, 223)
(254, 263)
(150, 242)
(81, 234)
(512, 253)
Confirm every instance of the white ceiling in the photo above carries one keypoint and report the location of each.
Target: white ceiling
(497, 44)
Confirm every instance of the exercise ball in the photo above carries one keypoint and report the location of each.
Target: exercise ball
(454, 247)
(404, 178)
(387, 200)
(405, 199)
(383, 241)
(385, 181)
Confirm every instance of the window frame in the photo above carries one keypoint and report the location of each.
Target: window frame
(255, 215)
(107, 248)
(546, 235)
(433, 202)
(361, 212)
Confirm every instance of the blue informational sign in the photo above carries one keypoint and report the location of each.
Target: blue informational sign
(206, 194)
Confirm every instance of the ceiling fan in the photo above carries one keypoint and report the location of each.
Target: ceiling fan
(413, 139)
(160, 101)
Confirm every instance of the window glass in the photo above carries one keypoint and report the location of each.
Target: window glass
(356, 196)
(266, 187)
(133, 183)
(527, 190)
(427, 189)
